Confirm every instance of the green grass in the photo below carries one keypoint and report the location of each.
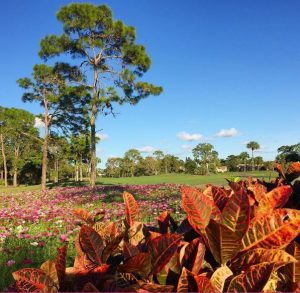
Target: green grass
(217, 179)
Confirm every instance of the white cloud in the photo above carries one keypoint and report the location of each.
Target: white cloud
(187, 148)
(103, 136)
(231, 132)
(38, 123)
(189, 137)
(146, 149)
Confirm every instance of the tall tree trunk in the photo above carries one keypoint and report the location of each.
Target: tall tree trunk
(252, 161)
(4, 160)
(45, 147)
(80, 168)
(207, 169)
(15, 176)
(245, 166)
(56, 171)
(93, 131)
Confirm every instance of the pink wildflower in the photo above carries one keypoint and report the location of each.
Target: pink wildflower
(10, 263)
(63, 238)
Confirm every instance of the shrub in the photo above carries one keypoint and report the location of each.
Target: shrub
(238, 239)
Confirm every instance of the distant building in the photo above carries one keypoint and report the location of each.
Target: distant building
(222, 169)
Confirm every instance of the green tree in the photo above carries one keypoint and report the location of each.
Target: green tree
(107, 47)
(17, 135)
(205, 154)
(59, 100)
(244, 157)
(253, 145)
(190, 166)
(131, 158)
(288, 153)
(258, 161)
(232, 162)
(80, 153)
(159, 155)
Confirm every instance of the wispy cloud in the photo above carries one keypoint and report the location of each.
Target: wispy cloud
(146, 149)
(103, 136)
(231, 132)
(187, 148)
(189, 136)
(38, 123)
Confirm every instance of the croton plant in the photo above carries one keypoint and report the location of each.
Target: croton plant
(242, 238)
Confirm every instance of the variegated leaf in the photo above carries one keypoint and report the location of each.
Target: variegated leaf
(261, 255)
(162, 249)
(91, 244)
(34, 280)
(194, 256)
(204, 284)
(276, 198)
(252, 280)
(236, 214)
(131, 208)
(84, 215)
(274, 230)
(223, 243)
(219, 277)
(197, 206)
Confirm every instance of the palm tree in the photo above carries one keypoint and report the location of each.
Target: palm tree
(253, 145)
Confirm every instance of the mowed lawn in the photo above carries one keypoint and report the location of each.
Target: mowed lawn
(217, 179)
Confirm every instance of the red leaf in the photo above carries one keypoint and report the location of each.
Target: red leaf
(162, 249)
(131, 208)
(60, 264)
(140, 263)
(197, 206)
(219, 195)
(236, 213)
(194, 256)
(252, 280)
(204, 285)
(33, 280)
(164, 222)
(84, 215)
(91, 244)
(111, 247)
(129, 250)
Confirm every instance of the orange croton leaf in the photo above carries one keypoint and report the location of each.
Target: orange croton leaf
(84, 215)
(236, 213)
(164, 222)
(293, 171)
(131, 208)
(197, 206)
(252, 280)
(274, 230)
(34, 280)
(260, 255)
(276, 198)
(219, 195)
(140, 264)
(278, 167)
(186, 282)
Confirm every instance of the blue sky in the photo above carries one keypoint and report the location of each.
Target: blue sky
(224, 65)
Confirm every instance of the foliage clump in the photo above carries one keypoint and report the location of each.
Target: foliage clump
(242, 239)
